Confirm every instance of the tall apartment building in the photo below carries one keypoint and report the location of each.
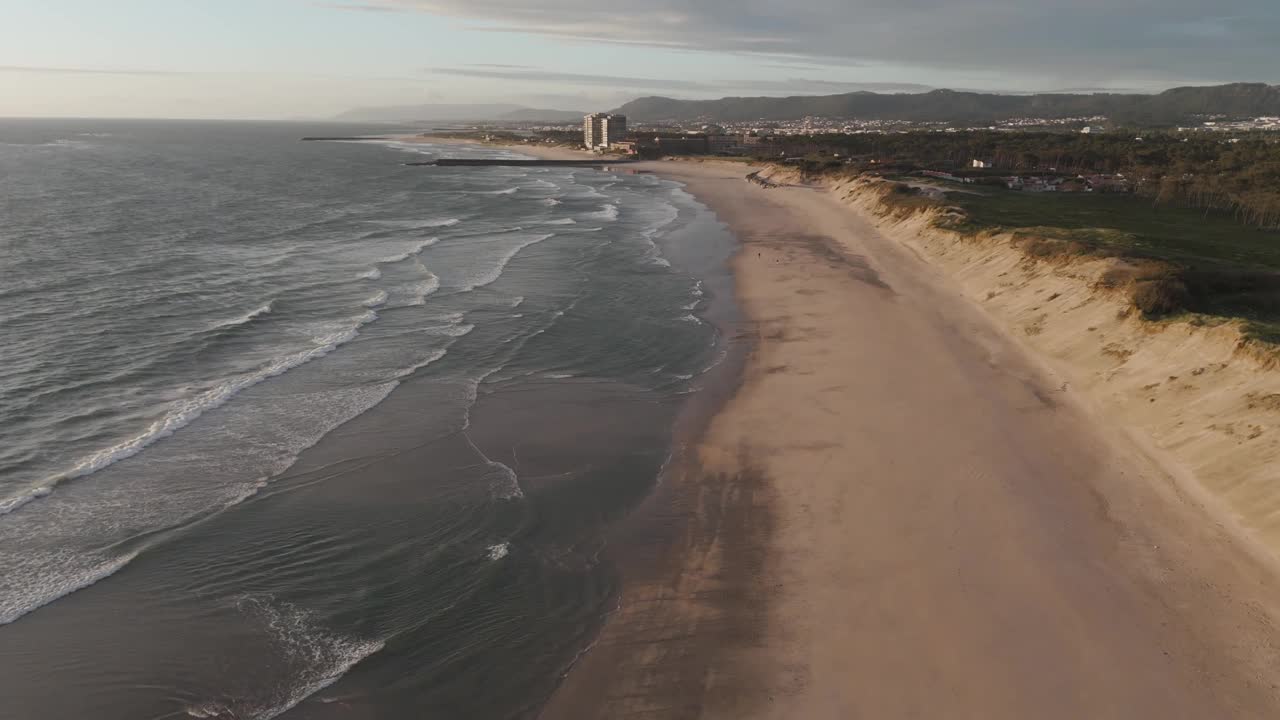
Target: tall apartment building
(600, 130)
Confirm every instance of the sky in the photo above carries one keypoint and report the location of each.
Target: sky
(293, 59)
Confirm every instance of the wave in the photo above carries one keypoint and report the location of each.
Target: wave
(419, 292)
(372, 274)
(506, 484)
(695, 293)
(508, 191)
(313, 656)
(182, 413)
(10, 504)
(417, 224)
(498, 551)
(52, 586)
(563, 221)
(491, 275)
(552, 202)
(416, 249)
(608, 212)
(376, 300)
(244, 319)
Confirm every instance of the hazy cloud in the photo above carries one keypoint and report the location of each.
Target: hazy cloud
(499, 65)
(533, 75)
(639, 84)
(1095, 40)
(361, 8)
(36, 69)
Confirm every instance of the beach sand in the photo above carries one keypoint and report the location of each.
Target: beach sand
(902, 512)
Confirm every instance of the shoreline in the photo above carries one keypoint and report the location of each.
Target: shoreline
(901, 512)
(541, 152)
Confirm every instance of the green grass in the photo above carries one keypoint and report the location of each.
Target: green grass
(1210, 264)
(1126, 223)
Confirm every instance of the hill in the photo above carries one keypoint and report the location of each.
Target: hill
(1167, 108)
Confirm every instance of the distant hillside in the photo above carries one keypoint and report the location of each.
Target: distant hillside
(1167, 108)
(457, 113)
(534, 115)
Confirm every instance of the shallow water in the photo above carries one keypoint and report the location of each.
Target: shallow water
(292, 428)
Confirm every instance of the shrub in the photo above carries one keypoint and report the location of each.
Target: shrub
(1160, 296)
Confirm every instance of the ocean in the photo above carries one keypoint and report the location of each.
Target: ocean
(289, 429)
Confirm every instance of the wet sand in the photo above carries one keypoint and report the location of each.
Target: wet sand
(901, 512)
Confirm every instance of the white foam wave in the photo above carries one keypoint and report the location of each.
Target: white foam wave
(691, 318)
(245, 318)
(696, 294)
(411, 252)
(499, 551)
(563, 221)
(417, 293)
(10, 504)
(312, 656)
(417, 224)
(508, 191)
(42, 588)
(607, 212)
(491, 275)
(552, 202)
(182, 412)
(376, 300)
(373, 274)
(559, 376)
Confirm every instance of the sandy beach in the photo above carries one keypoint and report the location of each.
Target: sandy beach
(903, 512)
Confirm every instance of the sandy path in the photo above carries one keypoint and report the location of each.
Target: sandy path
(903, 514)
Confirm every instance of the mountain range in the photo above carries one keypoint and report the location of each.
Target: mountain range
(491, 112)
(1184, 104)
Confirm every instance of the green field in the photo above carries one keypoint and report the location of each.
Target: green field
(1126, 223)
(1219, 267)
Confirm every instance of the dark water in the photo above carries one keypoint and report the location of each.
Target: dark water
(291, 429)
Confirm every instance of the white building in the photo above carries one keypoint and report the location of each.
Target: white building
(983, 164)
(601, 130)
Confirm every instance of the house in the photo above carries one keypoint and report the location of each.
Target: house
(626, 147)
(983, 164)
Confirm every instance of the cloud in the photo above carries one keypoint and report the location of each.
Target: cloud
(545, 76)
(361, 8)
(1094, 40)
(633, 85)
(36, 69)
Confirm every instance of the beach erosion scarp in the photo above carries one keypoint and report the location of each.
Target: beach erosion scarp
(915, 504)
(1198, 392)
